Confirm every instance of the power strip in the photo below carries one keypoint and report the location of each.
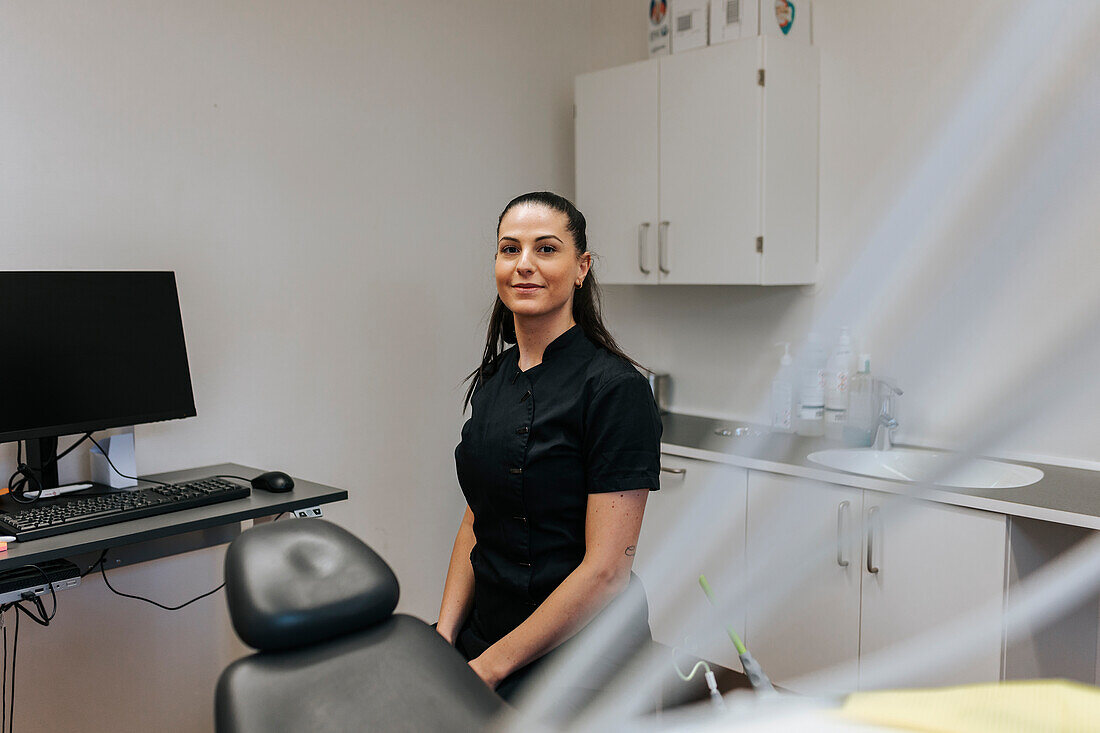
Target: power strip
(14, 584)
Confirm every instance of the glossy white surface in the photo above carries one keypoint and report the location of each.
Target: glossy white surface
(942, 469)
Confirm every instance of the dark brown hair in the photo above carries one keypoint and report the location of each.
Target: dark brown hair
(586, 299)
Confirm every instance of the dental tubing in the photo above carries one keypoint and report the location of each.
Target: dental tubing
(753, 670)
(712, 683)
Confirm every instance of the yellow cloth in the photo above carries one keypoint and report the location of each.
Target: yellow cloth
(1039, 705)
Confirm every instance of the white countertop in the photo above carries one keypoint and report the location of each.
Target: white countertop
(1064, 495)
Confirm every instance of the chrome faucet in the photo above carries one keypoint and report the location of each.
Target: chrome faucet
(887, 423)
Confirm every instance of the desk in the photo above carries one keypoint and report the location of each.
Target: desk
(193, 528)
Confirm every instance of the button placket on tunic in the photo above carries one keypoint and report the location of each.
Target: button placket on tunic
(519, 530)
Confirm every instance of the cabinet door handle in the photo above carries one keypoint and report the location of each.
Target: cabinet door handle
(643, 239)
(662, 247)
(841, 535)
(674, 471)
(871, 514)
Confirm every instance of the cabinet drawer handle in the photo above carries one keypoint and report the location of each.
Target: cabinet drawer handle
(643, 239)
(871, 514)
(841, 534)
(662, 247)
(674, 471)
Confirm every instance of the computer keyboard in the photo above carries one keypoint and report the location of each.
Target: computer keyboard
(74, 513)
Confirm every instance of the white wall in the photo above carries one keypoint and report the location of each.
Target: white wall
(324, 178)
(959, 168)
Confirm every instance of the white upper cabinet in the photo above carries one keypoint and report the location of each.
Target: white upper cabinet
(789, 177)
(619, 185)
(710, 166)
(701, 167)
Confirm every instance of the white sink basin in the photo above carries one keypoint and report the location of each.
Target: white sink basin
(943, 469)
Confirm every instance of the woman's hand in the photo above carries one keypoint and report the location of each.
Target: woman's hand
(484, 670)
(449, 638)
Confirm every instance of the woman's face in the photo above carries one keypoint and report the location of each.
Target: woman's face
(537, 266)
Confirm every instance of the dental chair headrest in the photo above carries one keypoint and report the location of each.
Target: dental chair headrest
(300, 581)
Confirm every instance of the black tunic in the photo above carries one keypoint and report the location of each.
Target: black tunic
(537, 443)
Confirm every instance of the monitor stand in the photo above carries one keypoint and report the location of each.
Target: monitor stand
(41, 451)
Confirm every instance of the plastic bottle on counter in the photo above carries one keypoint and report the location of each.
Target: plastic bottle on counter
(859, 429)
(783, 393)
(838, 373)
(811, 401)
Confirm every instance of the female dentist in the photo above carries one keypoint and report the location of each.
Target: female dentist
(556, 460)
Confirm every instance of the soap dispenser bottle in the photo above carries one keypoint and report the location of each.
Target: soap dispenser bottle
(811, 407)
(859, 429)
(783, 393)
(838, 373)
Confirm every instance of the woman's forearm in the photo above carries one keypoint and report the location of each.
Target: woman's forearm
(458, 591)
(583, 594)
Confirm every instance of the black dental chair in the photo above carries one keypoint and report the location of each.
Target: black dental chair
(317, 604)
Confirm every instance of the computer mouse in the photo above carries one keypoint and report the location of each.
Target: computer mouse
(273, 481)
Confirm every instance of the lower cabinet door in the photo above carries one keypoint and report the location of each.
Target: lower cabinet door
(803, 552)
(695, 525)
(927, 566)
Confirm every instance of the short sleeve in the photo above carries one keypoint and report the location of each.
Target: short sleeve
(622, 437)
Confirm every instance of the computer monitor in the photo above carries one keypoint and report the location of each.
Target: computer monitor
(87, 351)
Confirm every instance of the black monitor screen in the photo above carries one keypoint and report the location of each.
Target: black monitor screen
(90, 350)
